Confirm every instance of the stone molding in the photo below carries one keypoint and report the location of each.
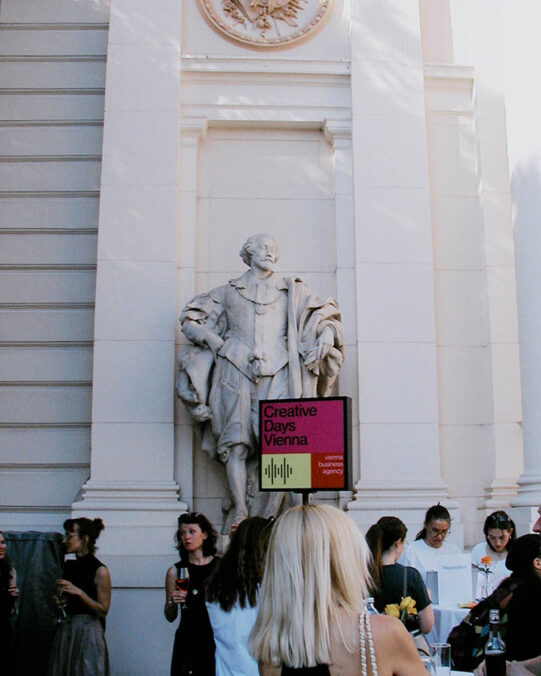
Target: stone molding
(129, 496)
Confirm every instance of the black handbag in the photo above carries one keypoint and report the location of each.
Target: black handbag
(468, 638)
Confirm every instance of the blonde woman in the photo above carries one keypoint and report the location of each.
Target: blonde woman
(311, 618)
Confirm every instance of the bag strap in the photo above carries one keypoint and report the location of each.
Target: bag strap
(499, 598)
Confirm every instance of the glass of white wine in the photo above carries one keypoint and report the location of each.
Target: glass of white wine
(61, 601)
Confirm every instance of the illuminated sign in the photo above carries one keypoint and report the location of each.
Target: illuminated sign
(305, 444)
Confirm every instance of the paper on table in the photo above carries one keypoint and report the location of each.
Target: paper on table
(451, 583)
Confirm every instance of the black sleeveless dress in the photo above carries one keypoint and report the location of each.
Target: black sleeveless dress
(79, 647)
(319, 670)
(193, 650)
(82, 572)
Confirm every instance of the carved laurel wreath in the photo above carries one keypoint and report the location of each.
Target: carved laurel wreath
(266, 23)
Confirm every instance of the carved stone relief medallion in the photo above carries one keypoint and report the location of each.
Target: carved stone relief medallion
(266, 23)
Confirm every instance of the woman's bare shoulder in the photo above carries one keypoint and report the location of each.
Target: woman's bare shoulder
(171, 572)
(268, 670)
(395, 650)
(386, 624)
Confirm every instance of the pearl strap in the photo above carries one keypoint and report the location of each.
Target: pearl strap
(365, 636)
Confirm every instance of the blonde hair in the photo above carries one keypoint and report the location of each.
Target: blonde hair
(316, 568)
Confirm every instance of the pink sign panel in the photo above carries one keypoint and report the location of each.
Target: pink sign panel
(305, 444)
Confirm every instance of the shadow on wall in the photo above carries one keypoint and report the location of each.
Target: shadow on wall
(526, 192)
(37, 558)
(526, 184)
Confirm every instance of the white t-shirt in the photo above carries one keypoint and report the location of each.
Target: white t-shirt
(231, 632)
(497, 566)
(424, 557)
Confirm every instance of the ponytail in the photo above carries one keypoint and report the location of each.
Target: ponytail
(374, 537)
(381, 537)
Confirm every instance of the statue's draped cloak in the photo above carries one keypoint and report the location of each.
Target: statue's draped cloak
(230, 383)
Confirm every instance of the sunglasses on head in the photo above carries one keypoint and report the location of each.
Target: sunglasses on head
(502, 521)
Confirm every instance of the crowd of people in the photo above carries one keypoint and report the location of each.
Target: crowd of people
(288, 596)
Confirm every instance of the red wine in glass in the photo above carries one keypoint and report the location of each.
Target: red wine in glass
(182, 582)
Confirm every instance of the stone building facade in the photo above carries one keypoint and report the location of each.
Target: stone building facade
(393, 152)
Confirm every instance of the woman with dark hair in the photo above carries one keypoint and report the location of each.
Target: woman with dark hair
(193, 650)
(8, 597)
(232, 593)
(430, 544)
(79, 647)
(391, 580)
(523, 637)
(499, 532)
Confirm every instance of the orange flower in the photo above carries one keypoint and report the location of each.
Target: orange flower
(486, 560)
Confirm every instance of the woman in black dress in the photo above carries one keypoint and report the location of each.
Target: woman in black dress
(391, 580)
(79, 647)
(193, 651)
(8, 597)
(523, 639)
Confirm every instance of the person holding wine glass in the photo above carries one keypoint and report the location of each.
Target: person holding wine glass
(79, 645)
(193, 650)
(8, 597)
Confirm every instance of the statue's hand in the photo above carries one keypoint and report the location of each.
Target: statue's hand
(324, 343)
(213, 341)
(201, 413)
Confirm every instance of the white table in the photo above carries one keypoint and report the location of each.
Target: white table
(445, 618)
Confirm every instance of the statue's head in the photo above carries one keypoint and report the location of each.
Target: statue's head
(263, 246)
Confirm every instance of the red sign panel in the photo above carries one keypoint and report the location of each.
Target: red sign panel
(305, 444)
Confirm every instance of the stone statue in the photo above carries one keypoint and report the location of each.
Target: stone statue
(260, 336)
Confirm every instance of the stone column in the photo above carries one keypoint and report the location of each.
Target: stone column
(193, 132)
(131, 482)
(523, 111)
(338, 134)
(501, 293)
(398, 395)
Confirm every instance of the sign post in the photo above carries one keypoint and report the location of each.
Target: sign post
(305, 445)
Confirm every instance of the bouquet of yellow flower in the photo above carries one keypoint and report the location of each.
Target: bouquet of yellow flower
(405, 611)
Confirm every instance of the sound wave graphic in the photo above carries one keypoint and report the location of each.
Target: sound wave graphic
(282, 470)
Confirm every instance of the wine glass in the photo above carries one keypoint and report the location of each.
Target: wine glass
(182, 582)
(61, 602)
